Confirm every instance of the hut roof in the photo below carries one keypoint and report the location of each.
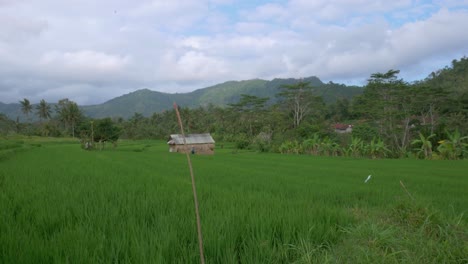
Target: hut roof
(178, 139)
(342, 126)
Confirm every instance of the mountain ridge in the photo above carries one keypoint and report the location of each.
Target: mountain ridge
(147, 102)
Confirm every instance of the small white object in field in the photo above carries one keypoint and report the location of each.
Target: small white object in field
(368, 178)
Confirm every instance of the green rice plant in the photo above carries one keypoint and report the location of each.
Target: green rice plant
(59, 203)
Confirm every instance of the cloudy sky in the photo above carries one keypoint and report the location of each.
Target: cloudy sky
(91, 51)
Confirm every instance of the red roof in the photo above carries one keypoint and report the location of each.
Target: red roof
(342, 126)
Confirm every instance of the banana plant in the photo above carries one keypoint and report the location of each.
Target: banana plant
(312, 145)
(356, 148)
(327, 146)
(377, 148)
(454, 147)
(425, 145)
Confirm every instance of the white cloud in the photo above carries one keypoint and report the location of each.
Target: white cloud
(8, 2)
(49, 48)
(173, 15)
(17, 29)
(268, 12)
(423, 38)
(336, 9)
(189, 66)
(251, 27)
(452, 3)
(79, 92)
(85, 60)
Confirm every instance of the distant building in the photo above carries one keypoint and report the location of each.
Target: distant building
(195, 143)
(343, 128)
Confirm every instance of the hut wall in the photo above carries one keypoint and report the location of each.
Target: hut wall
(199, 148)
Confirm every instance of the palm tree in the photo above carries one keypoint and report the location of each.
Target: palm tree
(69, 113)
(74, 115)
(26, 107)
(43, 110)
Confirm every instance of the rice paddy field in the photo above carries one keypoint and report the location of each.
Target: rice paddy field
(134, 204)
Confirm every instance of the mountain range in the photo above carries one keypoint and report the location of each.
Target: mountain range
(148, 102)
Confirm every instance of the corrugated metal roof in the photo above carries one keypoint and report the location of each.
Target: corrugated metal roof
(178, 139)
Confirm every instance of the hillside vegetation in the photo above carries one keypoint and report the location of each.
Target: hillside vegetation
(147, 102)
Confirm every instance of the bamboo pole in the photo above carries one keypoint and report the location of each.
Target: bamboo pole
(195, 199)
(406, 190)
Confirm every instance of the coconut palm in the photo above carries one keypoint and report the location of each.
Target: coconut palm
(69, 113)
(26, 107)
(74, 115)
(43, 110)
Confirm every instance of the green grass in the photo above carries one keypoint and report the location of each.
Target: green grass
(133, 204)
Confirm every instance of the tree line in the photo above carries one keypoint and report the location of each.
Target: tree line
(391, 118)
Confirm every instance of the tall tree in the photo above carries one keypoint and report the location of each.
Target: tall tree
(105, 130)
(69, 113)
(136, 127)
(74, 116)
(298, 100)
(340, 110)
(26, 107)
(249, 111)
(43, 110)
(389, 102)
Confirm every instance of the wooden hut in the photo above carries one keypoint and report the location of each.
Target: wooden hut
(343, 128)
(195, 143)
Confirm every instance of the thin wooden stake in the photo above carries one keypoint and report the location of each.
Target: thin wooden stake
(195, 199)
(406, 190)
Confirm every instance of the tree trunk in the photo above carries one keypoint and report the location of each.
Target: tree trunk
(431, 114)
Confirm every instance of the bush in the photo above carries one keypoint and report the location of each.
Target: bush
(262, 142)
(291, 147)
(241, 141)
(365, 132)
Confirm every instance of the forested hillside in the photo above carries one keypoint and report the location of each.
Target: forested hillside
(453, 81)
(10, 110)
(147, 102)
(454, 78)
